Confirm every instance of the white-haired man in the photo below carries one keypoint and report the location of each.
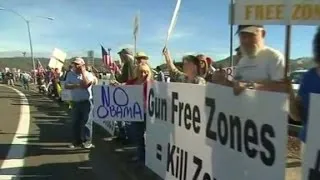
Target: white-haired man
(259, 63)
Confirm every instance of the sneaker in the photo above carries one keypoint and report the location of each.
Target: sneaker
(75, 145)
(87, 145)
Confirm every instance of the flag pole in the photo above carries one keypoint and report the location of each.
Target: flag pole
(112, 72)
(231, 31)
(136, 25)
(287, 51)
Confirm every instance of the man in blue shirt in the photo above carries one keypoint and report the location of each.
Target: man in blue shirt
(79, 81)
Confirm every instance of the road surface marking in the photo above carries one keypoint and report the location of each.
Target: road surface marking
(11, 177)
(22, 129)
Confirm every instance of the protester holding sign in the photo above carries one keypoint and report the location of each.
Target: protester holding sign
(142, 58)
(127, 71)
(80, 82)
(137, 129)
(204, 66)
(191, 69)
(259, 63)
(310, 83)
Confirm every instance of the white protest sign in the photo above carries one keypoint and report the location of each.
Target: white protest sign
(277, 12)
(205, 132)
(109, 126)
(118, 103)
(311, 156)
(230, 72)
(57, 59)
(173, 21)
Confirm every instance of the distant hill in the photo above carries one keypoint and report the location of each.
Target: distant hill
(25, 64)
(303, 62)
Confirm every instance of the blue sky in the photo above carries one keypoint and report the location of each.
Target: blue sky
(81, 25)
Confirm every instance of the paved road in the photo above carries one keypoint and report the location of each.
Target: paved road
(47, 155)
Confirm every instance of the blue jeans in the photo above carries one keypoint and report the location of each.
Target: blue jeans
(137, 130)
(82, 126)
(25, 84)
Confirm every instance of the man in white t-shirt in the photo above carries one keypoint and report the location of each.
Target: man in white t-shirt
(259, 63)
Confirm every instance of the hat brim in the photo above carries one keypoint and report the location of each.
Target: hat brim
(251, 29)
(145, 57)
(78, 63)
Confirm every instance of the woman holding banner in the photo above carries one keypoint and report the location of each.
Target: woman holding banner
(137, 129)
(191, 69)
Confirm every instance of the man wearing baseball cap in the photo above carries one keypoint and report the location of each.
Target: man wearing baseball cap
(79, 81)
(127, 73)
(258, 63)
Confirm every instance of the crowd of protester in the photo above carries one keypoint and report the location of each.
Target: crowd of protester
(257, 66)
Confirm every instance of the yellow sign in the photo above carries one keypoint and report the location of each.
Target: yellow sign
(275, 12)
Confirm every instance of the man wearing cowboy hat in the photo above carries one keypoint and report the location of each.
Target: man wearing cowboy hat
(141, 57)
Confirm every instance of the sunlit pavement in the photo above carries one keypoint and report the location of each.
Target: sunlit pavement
(47, 155)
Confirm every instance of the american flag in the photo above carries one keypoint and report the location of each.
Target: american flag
(107, 61)
(40, 67)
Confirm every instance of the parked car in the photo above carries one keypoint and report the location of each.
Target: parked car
(296, 77)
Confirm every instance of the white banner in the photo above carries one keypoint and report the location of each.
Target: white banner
(311, 156)
(109, 126)
(118, 103)
(205, 132)
(277, 12)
